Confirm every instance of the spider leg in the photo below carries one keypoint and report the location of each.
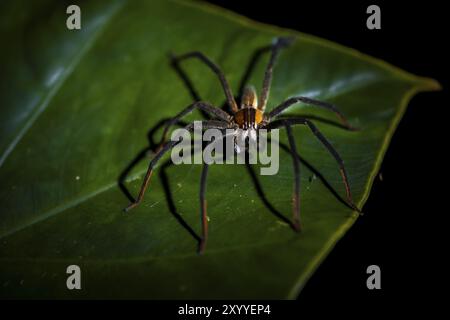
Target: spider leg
(207, 124)
(286, 104)
(296, 192)
(278, 44)
(226, 87)
(203, 204)
(169, 145)
(203, 209)
(293, 121)
(210, 109)
(250, 67)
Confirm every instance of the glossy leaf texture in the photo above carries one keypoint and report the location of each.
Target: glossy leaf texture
(76, 107)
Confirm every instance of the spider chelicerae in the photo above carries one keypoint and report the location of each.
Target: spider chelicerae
(249, 118)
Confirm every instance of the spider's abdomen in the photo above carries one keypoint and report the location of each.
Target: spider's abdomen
(248, 117)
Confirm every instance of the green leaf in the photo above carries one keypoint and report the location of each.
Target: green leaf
(75, 110)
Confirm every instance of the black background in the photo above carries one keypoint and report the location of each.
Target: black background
(399, 231)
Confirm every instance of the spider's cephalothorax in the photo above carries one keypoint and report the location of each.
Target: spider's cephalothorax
(247, 119)
(249, 116)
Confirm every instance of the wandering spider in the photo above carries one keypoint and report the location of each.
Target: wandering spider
(250, 117)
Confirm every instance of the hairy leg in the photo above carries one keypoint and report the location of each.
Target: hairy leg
(326, 143)
(226, 87)
(289, 102)
(278, 44)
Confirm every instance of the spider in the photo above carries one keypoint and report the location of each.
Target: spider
(249, 117)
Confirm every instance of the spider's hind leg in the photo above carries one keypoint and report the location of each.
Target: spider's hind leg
(297, 120)
(203, 202)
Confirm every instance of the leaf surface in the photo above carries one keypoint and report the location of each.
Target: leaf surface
(75, 110)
